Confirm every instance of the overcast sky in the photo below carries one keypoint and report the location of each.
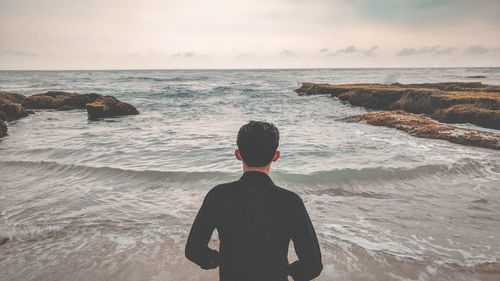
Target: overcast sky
(109, 34)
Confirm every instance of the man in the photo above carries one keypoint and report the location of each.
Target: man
(255, 220)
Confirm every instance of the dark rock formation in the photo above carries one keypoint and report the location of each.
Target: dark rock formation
(13, 106)
(80, 101)
(3, 129)
(59, 100)
(452, 86)
(40, 102)
(309, 89)
(97, 106)
(13, 97)
(473, 103)
(475, 76)
(466, 113)
(10, 109)
(108, 106)
(424, 127)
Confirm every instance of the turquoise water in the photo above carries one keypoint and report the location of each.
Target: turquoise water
(113, 199)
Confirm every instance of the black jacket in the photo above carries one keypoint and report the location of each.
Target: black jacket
(255, 220)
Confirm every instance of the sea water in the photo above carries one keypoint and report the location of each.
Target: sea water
(114, 199)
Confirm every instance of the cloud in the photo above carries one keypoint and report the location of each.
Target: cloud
(323, 50)
(371, 52)
(480, 50)
(185, 55)
(19, 52)
(407, 52)
(445, 51)
(417, 51)
(430, 50)
(244, 55)
(287, 53)
(347, 50)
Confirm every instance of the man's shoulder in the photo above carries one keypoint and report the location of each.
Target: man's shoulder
(229, 187)
(222, 188)
(287, 193)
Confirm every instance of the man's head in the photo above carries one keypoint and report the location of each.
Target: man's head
(257, 144)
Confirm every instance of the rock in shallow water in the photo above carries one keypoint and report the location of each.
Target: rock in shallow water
(466, 113)
(14, 97)
(3, 129)
(59, 100)
(423, 127)
(108, 106)
(11, 110)
(452, 102)
(97, 106)
(453, 86)
(13, 106)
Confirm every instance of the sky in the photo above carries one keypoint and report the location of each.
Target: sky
(179, 34)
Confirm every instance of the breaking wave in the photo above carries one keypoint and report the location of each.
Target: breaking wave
(467, 167)
(164, 79)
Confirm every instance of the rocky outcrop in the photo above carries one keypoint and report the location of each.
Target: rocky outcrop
(465, 113)
(452, 102)
(59, 100)
(453, 86)
(13, 106)
(10, 108)
(424, 127)
(108, 106)
(3, 129)
(14, 97)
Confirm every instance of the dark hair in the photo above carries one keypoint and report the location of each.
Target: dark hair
(257, 142)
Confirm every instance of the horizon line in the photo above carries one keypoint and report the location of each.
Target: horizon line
(268, 68)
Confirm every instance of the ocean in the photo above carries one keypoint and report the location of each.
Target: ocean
(114, 199)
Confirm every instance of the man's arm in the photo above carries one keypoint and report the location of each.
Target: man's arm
(197, 249)
(306, 245)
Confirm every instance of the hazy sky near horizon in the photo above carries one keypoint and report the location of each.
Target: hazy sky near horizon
(109, 34)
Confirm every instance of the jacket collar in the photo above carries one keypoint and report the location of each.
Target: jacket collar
(256, 177)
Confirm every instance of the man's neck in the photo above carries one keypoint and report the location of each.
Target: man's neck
(266, 169)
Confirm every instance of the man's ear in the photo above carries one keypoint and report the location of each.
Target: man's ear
(237, 154)
(276, 156)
